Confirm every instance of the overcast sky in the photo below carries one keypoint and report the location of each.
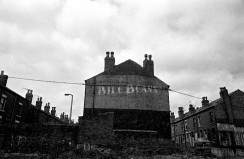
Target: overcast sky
(197, 46)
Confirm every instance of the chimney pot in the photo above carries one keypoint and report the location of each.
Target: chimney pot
(192, 109)
(39, 103)
(150, 57)
(109, 61)
(107, 54)
(47, 108)
(3, 79)
(181, 112)
(145, 56)
(148, 66)
(29, 96)
(205, 102)
(112, 54)
(53, 111)
(172, 116)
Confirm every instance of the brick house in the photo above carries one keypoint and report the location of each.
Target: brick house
(139, 100)
(220, 121)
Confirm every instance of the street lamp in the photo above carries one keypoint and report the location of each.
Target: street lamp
(70, 106)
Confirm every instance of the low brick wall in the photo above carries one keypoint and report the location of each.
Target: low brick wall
(96, 129)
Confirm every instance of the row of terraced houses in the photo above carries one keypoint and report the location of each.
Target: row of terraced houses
(220, 121)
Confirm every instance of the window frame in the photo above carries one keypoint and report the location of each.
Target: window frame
(194, 122)
(19, 110)
(199, 121)
(211, 117)
(4, 97)
(185, 124)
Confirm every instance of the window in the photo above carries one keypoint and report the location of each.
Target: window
(201, 133)
(19, 109)
(2, 102)
(172, 129)
(211, 117)
(205, 134)
(199, 121)
(194, 122)
(182, 126)
(186, 125)
(214, 134)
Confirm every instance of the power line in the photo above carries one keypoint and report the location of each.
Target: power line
(29, 79)
(185, 94)
(75, 83)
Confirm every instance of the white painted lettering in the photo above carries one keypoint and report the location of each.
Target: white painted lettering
(101, 90)
(155, 89)
(149, 89)
(137, 89)
(119, 90)
(130, 89)
(144, 89)
(108, 92)
(112, 90)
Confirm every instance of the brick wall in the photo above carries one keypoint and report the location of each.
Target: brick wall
(96, 129)
(126, 92)
(37, 137)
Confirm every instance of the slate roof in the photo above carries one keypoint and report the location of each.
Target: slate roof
(128, 67)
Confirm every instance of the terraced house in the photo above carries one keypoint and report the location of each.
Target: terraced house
(220, 121)
(17, 109)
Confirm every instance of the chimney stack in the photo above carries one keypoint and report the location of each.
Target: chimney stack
(66, 118)
(29, 95)
(47, 108)
(205, 102)
(39, 103)
(192, 109)
(62, 116)
(109, 61)
(181, 112)
(226, 99)
(53, 111)
(172, 117)
(148, 66)
(3, 79)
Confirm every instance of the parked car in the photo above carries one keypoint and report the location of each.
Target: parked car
(202, 142)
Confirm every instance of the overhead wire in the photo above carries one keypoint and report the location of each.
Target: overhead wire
(38, 80)
(77, 83)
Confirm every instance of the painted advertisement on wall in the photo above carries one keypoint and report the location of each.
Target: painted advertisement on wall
(127, 92)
